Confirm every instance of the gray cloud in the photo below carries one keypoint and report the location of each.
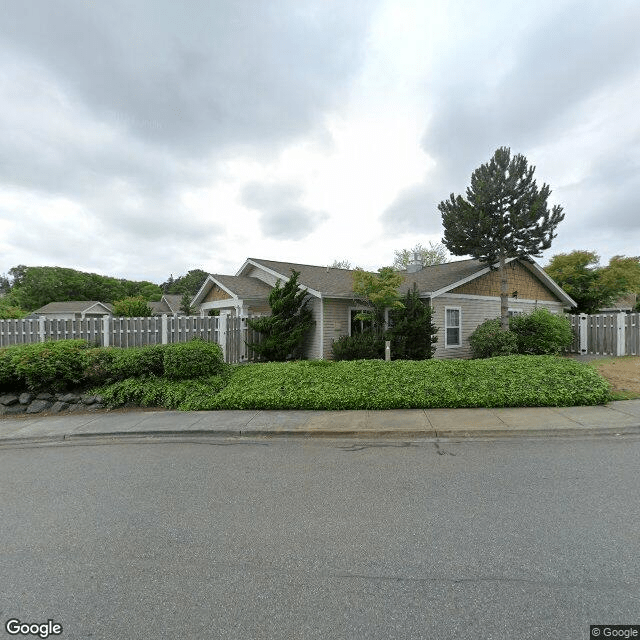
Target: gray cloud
(527, 95)
(282, 216)
(196, 76)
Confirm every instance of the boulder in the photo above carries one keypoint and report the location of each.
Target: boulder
(9, 400)
(38, 406)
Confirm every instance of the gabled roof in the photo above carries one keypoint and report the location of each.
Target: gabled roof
(76, 306)
(333, 282)
(238, 287)
(172, 301)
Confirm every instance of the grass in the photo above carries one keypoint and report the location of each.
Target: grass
(509, 381)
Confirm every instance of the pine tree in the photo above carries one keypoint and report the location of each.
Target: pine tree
(284, 331)
(185, 304)
(504, 215)
(413, 334)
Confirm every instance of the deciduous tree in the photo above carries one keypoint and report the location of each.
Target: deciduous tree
(377, 292)
(433, 254)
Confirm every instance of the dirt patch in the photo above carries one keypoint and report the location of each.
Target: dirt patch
(622, 373)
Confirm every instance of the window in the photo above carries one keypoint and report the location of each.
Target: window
(515, 312)
(452, 327)
(356, 325)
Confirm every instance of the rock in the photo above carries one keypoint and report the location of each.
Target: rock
(8, 400)
(59, 406)
(12, 410)
(87, 399)
(38, 405)
(94, 407)
(45, 396)
(26, 398)
(70, 398)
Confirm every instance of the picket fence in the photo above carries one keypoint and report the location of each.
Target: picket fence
(232, 334)
(607, 334)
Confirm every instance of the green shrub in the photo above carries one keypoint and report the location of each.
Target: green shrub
(135, 362)
(9, 380)
(541, 332)
(413, 334)
(100, 369)
(489, 341)
(194, 359)
(162, 392)
(51, 366)
(359, 346)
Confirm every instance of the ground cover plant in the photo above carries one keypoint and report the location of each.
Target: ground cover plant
(509, 381)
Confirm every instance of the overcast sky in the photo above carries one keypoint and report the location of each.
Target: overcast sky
(143, 138)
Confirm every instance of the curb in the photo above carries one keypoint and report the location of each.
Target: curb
(448, 434)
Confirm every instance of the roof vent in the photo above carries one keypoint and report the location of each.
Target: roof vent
(415, 264)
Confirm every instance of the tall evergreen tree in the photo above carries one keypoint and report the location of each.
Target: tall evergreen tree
(283, 332)
(504, 215)
(413, 334)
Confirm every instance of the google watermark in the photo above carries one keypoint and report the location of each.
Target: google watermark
(15, 627)
(598, 631)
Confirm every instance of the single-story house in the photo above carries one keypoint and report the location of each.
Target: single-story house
(72, 310)
(169, 304)
(624, 303)
(462, 294)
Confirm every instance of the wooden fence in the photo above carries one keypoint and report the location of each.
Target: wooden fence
(231, 334)
(607, 334)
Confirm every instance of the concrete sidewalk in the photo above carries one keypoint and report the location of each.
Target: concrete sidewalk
(622, 417)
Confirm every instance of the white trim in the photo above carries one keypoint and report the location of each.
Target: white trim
(468, 296)
(280, 277)
(552, 285)
(459, 327)
(473, 276)
(349, 310)
(321, 323)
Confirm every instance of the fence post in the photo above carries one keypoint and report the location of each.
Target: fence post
(387, 350)
(620, 334)
(582, 332)
(222, 334)
(106, 330)
(164, 328)
(41, 328)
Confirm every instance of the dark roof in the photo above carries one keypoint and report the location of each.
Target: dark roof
(243, 286)
(339, 282)
(173, 301)
(71, 306)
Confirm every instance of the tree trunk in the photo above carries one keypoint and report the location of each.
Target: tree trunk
(504, 296)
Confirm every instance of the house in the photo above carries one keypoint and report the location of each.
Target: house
(463, 294)
(72, 310)
(625, 304)
(169, 304)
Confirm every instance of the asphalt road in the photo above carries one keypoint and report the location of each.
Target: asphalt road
(242, 539)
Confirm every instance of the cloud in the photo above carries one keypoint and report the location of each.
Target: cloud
(281, 214)
(522, 90)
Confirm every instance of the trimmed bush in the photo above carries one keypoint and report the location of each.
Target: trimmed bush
(194, 359)
(489, 341)
(9, 380)
(359, 346)
(51, 366)
(512, 381)
(541, 332)
(136, 362)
